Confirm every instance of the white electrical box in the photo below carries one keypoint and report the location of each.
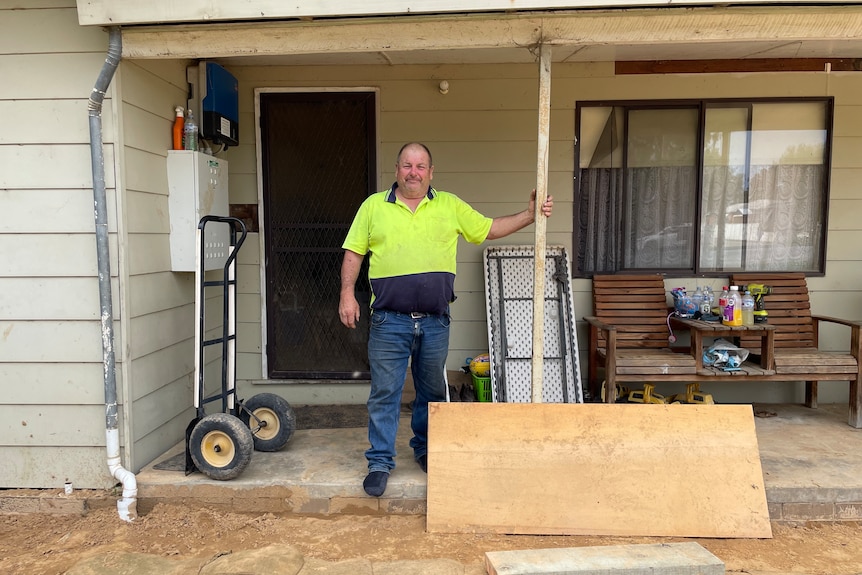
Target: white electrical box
(197, 184)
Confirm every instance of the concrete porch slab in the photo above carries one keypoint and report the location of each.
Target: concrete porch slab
(811, 459)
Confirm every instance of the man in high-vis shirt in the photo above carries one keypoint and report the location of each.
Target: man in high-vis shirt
(411, 231)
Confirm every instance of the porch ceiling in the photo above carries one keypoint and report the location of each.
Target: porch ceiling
(577, 36)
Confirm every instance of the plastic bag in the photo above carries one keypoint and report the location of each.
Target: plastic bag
(724, 355)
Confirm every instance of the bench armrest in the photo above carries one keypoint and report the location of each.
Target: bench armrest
(596, 322)
(849, 323)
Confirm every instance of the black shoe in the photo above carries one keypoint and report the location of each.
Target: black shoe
(422, 460)
(375, 483)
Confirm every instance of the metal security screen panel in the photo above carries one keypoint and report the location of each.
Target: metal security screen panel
(509, 300)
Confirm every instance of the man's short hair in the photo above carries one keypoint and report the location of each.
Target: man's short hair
(409, 144)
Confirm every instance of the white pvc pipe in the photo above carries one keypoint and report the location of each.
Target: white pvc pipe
(127, 507)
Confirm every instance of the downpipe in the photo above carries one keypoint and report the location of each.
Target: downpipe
(127, 506)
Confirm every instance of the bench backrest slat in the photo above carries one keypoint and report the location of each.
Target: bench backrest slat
(788, 307)
(636, 302)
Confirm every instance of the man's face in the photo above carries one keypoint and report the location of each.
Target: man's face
(414, 171)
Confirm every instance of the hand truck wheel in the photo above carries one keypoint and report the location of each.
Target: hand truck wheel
(271, 420)
(221, 446)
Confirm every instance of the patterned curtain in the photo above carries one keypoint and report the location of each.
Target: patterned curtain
(776, 228)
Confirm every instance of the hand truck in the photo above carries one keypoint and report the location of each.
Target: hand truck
(220, 445)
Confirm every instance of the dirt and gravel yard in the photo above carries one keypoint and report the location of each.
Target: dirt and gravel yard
(35, 544)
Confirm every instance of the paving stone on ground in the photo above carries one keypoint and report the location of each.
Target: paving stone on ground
(281, 559)
(350, 567)
(123, 563)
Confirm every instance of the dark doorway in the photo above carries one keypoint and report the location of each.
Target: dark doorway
(319, 164)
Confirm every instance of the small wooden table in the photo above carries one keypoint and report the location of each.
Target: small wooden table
(700, 329)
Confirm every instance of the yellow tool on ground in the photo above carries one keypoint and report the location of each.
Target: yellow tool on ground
(692, 395)
(622, 391)
(646, 395)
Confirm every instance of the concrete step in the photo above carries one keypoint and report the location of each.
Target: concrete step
(652, 559)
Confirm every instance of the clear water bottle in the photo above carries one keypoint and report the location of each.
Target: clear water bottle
(708, 301)
(697, 300)
(747, 309)
(190, 133)
(722, 301)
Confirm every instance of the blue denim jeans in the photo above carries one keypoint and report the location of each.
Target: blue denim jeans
(395, 339)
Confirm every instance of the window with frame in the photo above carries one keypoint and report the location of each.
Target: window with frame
(702, 187)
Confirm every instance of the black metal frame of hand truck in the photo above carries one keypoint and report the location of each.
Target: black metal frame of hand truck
(228, 283)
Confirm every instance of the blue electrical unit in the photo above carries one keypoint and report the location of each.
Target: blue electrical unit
(219, 104)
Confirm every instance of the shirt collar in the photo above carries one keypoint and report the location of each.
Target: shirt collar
(391, 197)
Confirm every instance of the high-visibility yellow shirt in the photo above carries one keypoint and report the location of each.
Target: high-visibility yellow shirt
(413, 254)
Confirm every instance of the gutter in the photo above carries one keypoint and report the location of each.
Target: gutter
(127, 506)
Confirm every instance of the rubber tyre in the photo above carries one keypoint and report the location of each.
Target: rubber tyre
(221, 446)
(277, 417)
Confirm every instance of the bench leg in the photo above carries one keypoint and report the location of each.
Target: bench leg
(811, 394)
(855, 418)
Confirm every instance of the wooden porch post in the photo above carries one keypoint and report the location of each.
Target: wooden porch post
(541, 221)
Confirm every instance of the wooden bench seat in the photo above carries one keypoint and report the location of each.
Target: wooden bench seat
(797, 332)
(628, 337)
(628, 333)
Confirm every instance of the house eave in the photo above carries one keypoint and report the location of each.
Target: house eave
(631, 34)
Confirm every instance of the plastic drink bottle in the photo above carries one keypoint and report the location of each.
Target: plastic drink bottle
(722, 302)
(733, 308)
(179, 124)
(190, 133)
(747, 309)
(697, 300)
(708, 301)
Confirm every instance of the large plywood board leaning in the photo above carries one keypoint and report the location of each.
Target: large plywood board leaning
(595, 469)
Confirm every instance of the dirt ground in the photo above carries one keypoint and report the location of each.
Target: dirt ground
(49, 544)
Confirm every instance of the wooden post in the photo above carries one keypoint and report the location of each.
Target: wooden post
(541, 221)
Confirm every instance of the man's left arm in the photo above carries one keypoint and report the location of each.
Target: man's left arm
(505, 225)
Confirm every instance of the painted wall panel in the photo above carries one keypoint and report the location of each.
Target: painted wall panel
(52, 383)
(157, 331)
(844, 215)
(145, 171)
(40, 121)
(162, 406)
(60, 298)
(846, 152)
(52, 425)
(248, 257)
(148, 253)
(147, 213)
(248, 336)
(147, 131)
(53, 341)
(156, 86)
(52, 211)
(844, 184)
(49, 255)
(848, 119)
(61, 76)
(158, 291)
(50, 467)
(151, 446)
(58, 166)
(248, 306)
(16, 32)
(167, 366)
(33, 4)
(243, 188)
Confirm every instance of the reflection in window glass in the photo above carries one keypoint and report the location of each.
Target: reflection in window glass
(754, 190)
(660, 177)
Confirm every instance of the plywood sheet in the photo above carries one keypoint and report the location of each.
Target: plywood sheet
(595, 469)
